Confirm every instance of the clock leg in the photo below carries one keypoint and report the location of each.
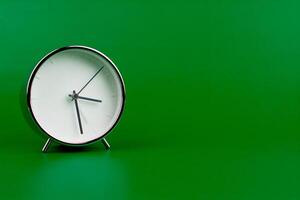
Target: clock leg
(105, 143)
(46, 145)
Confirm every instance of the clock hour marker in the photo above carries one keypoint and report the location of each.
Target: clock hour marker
(108, 116)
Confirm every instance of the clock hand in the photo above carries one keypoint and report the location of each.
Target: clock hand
(90, 80)
(85, 98)
(77, 111)
(89, 99)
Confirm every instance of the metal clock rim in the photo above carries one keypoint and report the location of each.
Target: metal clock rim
(36, 68)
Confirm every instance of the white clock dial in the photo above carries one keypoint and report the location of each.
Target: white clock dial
(73, 75)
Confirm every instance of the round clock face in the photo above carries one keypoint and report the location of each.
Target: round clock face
(76, 95)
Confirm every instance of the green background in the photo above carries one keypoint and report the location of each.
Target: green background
(213, 100)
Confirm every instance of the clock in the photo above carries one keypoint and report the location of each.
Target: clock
(76, 96)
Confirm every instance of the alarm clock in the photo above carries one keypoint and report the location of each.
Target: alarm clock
(76, 96)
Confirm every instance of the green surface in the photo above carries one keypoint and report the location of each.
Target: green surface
(213, 100)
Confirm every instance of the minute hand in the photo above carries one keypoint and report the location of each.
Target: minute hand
(90, 80)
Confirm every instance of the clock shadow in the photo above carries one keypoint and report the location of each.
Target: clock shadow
(135, 144)
(74, 149)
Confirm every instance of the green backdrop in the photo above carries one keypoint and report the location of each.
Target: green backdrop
(213, 100)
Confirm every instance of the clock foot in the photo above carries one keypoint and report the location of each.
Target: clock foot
(46, 145)
(105, 143)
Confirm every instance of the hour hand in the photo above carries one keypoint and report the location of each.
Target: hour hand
(89, 99)
(76, 96)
